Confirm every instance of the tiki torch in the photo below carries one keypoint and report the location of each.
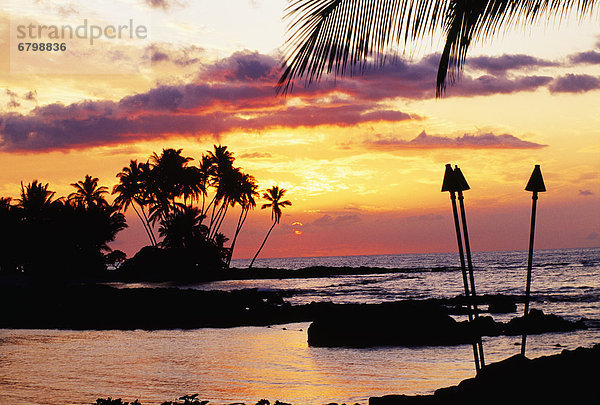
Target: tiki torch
(451, 185)
(462, 185)
(536, 185)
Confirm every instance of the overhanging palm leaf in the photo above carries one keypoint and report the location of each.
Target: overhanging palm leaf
(343, 36)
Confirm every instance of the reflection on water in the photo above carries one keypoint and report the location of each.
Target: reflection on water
(227, 365)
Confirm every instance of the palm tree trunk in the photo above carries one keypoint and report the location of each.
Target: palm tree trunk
(263, 244)
(220, 221)
(204, 195)
(144, 224)
(214, 220)
(238, 228)
(205, 212)
(212, 215)
(154, 243)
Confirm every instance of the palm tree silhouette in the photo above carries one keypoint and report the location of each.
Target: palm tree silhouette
(131, 191)
(274, 195)
(342, 35)
(67, 236)
(183, 229)
(35, 199)
(88, 193)
(164, 182)
(228, 194)
(10, 236)
(205, 170)
(222, 179)
(246, 195)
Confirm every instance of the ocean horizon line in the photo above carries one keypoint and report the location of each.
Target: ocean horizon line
(414, 253)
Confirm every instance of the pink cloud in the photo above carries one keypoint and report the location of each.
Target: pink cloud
(468, 141)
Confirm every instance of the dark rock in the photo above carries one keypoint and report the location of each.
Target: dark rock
(501, 304)
(413, 323)
(403, 323)
(537, 322)
(566, 378)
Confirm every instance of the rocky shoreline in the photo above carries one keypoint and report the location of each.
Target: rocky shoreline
(402, 323)
(413, 323)
(570, 377)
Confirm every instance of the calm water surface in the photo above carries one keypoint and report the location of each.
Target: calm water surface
(250, 363)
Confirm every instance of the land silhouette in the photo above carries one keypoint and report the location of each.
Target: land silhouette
(181, 207)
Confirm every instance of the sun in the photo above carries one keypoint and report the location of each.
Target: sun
(297, 228)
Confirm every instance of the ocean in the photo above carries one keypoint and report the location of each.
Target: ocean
(245, 364)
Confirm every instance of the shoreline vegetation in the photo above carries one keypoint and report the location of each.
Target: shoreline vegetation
(181, 207)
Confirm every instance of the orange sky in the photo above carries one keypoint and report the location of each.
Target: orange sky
(362, 158)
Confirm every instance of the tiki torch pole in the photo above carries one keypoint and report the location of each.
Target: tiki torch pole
(535, 184)
(463, 185)
(450, 184)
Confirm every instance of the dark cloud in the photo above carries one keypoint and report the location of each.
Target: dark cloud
(31, 96)
(574, 83)
(181, 57)
(424, 141)
(164, 4)
(238, 93)
(256, 155)
(13, 103)
(586, 58)
(244, 66)
(194, 109)
(417, 81)
(586, 193)
(488, 85)
(159, 56)
(328, 220)
(501, 64)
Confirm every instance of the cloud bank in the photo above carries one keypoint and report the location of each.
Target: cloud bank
(238, 93)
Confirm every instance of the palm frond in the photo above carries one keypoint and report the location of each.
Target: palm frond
(344, 36)
(341, 36)
(468, 21)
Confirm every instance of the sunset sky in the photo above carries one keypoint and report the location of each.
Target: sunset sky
(362, 157)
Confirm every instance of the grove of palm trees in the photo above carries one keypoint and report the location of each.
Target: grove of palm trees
(181, 207)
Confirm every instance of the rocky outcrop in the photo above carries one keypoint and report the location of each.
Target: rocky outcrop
(419, 324)
(567, 378)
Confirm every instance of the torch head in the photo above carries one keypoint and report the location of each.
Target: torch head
(536, 181)
(449, 182)
(461, 182)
